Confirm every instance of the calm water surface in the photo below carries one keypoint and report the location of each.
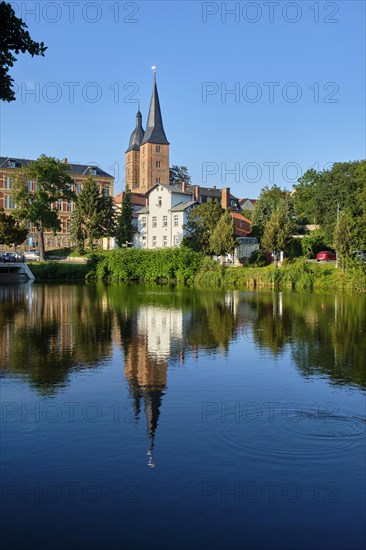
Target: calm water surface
(161, 418)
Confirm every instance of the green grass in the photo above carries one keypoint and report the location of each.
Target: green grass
(192, 268)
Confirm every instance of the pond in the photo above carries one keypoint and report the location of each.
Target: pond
(157, 417)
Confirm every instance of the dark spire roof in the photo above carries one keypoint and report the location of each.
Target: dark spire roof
(137, 135)
(154, 129)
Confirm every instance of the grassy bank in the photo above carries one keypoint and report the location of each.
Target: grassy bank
(192, 268)
(299, 275)
(57, 272)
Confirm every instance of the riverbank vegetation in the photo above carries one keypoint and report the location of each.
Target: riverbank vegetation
(185, 266)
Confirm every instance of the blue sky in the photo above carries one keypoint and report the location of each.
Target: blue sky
(296, 71)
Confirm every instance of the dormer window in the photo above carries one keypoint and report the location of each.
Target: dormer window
(94, 172)
(11, 163)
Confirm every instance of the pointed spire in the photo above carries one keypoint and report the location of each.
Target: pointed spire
(138, 134)
(153, 400)
(155, 129)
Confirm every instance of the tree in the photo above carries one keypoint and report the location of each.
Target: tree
(125, 227)
(39, 207)
(201, 222)
(278, 232)
(223, 239)
(178, 175)
(318, 195)
(313, 243)
(13, 38)
(269, 200)
(248, 213)
(10, 230)
(94, 216)
(344, 239)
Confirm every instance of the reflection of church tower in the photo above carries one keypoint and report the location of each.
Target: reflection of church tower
(146, 377)
(147, 158)
(133, 155)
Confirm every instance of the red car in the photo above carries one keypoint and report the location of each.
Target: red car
(326, 255)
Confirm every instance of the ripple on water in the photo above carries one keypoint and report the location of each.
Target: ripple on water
(308, 434)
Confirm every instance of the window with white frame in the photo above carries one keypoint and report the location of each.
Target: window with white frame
(176, 240)
(8, 201)
(165, 221)
(157, 180)
(29, 185)
(160, 201)
(8, 183)
(165, 240)
(69, 206)
(68, 225)
(59, 205)
(176, 220)
(106, 191)
(78, 188)
(143, 221)
(154, 221)
(11, 164)
(94, 172)
(154, 240)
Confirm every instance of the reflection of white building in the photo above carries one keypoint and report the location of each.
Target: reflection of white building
(163, 328)
(161, 222)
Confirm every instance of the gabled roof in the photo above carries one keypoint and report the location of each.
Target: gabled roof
(75, 169)
(154, 128)
(137, 199)
(253, 201)
(170, 188)
(241, 223)
(144, 210)
(182, 206)
(213, 192)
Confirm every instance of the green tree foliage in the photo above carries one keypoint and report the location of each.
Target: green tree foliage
(178, 175)
(269, 200)
(277, 234)
(39, 207)
(319, 194)
(94, 216)
(223, 239)
(14, 38)
(10, 230)
(248, 213)
(313, 243)
(344, 238)
(125, 227)
(201, 223)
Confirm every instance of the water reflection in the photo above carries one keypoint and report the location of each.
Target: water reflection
(47, 332)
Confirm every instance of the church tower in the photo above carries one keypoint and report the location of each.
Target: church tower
(154, 148)
(133, 155)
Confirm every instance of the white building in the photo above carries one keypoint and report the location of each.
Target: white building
(161, 223)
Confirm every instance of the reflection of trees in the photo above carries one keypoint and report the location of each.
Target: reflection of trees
(50, 330)
(54, 330)
(324, 333)
(212, 325)
(272, 324)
